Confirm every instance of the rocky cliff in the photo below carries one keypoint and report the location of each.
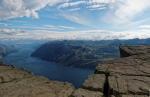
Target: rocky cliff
(128, 76)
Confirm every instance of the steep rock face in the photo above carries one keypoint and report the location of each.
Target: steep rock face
(75, 54)
(18, 83)
(65, 54)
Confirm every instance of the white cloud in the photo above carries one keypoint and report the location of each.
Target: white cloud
(88, 4)
(45, 27)
(100, 3)
(75, 9)
(76, 18)
(75, 35)
(71, 4)
(118, 11)
(126, 10)
(144, 26)
(29, 8)
(20, 8)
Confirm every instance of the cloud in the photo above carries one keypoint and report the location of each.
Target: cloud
(71, 4)
(44, 27)
(7, 34)
(123, 11)
(87, 4)
(144, 26)
(29, 8)
(20, 8)
(76, 18)
(56, 28)
(116, 11)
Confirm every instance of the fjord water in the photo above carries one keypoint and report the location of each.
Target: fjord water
(21, 59)
(53, 71)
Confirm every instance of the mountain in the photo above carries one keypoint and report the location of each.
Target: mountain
(71, 54)
(84, 54)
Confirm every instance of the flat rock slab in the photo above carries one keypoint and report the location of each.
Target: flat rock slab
(127, 66)
(130, 85)
(126, 51)
(95, 82)
(135, 96)
(86, 93)
(128, 75)
(18, 83)
(119, 84)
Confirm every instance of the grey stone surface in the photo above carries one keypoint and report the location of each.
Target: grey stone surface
(95, 82)
(129, 75)
(86, 93)
(18, 83)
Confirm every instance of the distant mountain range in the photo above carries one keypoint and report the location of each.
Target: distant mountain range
(84, 54)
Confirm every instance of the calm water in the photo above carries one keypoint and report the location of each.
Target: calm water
(21, 59)
(53, 71)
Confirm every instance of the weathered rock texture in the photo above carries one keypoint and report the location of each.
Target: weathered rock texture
(128, 76)
(18, 83)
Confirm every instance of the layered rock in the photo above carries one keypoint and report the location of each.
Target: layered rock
(126, 51)
(86, 93)
(128, 76)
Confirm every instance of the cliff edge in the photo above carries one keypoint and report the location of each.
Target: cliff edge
(19, 83)
(128, 76)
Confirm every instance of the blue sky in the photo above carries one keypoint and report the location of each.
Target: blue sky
(75, 15)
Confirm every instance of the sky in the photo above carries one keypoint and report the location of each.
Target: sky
(75, 19)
